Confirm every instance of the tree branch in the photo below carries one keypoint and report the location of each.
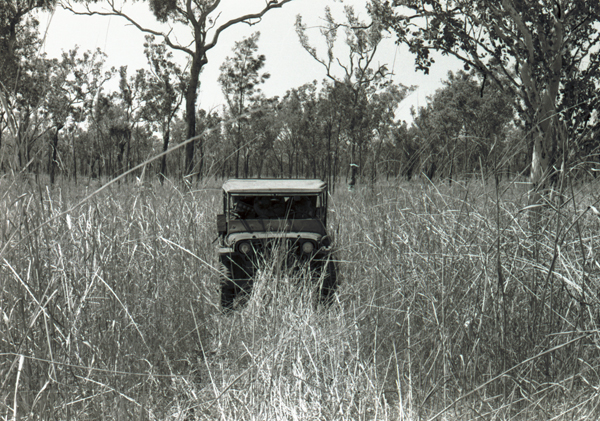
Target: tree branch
(272, 4)
(66, 4)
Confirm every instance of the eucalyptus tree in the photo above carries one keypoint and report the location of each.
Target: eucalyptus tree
(162, 91)
(401, 161)
(22, 75)
(380, 120)
(125, 102)
(331, 118)
(355, 80)
(61, 103)
(545, 53)
(312, 151)
(300, 143)
(202, 18)
(266, 126)
(210, 126)
(16, 17)
(462, 123)
(21, 105)
(90, 77)
(41, 96)
(294, 112)
(71, 85)
(240, 81)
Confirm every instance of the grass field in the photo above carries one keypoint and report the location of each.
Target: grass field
(454, 303)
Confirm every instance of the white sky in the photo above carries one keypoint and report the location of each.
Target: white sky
(287, 62)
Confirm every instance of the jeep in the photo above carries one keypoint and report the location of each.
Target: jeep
(262, 217)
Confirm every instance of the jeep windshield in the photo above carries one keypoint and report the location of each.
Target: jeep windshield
(275, 199)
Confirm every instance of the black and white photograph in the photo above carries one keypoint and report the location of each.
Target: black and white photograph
(264, 210)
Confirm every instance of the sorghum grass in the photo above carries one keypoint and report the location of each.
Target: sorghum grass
(452, 304)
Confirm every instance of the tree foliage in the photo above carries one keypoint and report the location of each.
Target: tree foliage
(357, 82)
(162, 91)
(62, 117)
(240, 80)
(15, 37)
(201, 17)
(463, 129)
(545, 53)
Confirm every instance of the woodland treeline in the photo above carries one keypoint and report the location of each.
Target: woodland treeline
(73, 116)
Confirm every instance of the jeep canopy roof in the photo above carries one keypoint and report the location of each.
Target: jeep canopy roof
(270, 186)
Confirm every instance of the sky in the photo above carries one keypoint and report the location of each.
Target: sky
(287, 62)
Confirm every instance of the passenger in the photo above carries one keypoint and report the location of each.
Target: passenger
(303, 207)
(263, 208)
(279, 207)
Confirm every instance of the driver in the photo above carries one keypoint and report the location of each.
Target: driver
(264, 208)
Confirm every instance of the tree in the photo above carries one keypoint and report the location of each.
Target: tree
(380, 115)
(201, 16)
(60, 102)
(162, 91)
(331, 116)
(209, 124)
(40, 97)
(461, 125)
(299, 139)
(91, 77)
(240, 79)
(22, 74)
(360, 79)
(67, 99)
(124, 105)
(265, 126)
(12, 13)
(544, 53)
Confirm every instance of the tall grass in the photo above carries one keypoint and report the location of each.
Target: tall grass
(100, 299)
(449, 306)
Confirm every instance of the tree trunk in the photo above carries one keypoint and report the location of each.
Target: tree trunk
(163, 161)
(190, 111)
(1, 131)
(545, 120)
(52, 155)
(128, 164)
(329, 169)
(74, 159)
(544, 150)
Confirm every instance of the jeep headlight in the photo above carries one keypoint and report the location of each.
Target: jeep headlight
(308, 247)
(245, 247)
